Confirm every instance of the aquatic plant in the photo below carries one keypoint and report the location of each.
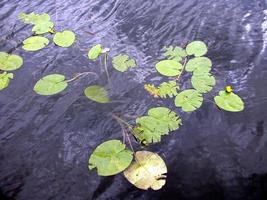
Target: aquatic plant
(143, 169)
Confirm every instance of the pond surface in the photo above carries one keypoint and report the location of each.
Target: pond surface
(45, 142)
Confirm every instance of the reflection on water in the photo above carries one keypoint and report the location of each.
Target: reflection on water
(46, 141)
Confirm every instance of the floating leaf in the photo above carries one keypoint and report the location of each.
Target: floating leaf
(9, 62)
(43, 27)
(110, 158)
(174, 53)
(229, 101)
(152, 90)
(169, 67)
(168, 89)
(97, 93)
(50, 84)
(189, 100)
(200, 63)
(122, 62)
(160, 121)
(147, 171)
(64, 39)
(197, 48)
(35, 43)
(33, 18)
(95, 51)
(203, 83)
(4, 79)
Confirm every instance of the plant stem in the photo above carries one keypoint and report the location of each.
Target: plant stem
(79, 75)
(105, 64)
(178, 77)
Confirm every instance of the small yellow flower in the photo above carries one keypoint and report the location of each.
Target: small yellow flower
(228, 89)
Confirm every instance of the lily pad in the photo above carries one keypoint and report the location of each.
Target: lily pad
(169, 67)
(229, 101)
(174, 53)
(200, 63)
(197, 48)
(97, 93)
(4, 79)
(94, 52)
(110, 158)
(9, 62)
(123, 62)
(203, 83)
(147, 171)
(168, 89)
(33, 18)
(43, 27)
(160, 121)
(64, 39)
(189, 100)
(50, 85)
(35, 43)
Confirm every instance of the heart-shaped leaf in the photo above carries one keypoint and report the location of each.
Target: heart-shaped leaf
(122, 62)
(43, 27)
(33, 18)
(174, 53)
(200, 63)
(94, 52)
(229, 101)
(50, 85)
(35, 43)
(197, 48)
(4, 79)
(110, 158)
(169, 67)
(9, 62)
(64, 39)
(97, 93)
(189, 100)
(147, 171)
(203, 83)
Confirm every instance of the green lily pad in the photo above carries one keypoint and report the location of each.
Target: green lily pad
(35, 43)
(160, 121)
(110, 158)
(147, 171)
(9, 62)
(203, 83)
(97, 93)
(4, 79)
(200, 63)
(33, 18)
(189, 100)
(229, 101)
(64, 39)
(168, 89)
(95, 51)
(169, 67)
(174, 53)
(43, 27)
(197, 48)
(122, 62)
(50, 85)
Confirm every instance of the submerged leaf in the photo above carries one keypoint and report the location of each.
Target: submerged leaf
(152, 90)
(147, 171)
(9, 62)
(174, 53)
(64, 39)
(200, 63)
(95, 51)
(160, 121)
(189, 100)
(50, 84)
(122, 62)
(33, 18)
(229, 101)
(169, 67)
(97, 93)
(110, 158)
(43, 27)
(203, 83)
(168, 89)
(35, 43)
(4, 79)
(197, 48)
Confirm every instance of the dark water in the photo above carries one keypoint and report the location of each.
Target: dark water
(45, 142)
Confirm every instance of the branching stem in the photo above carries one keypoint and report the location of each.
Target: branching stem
(178, 77)
(80, 75)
